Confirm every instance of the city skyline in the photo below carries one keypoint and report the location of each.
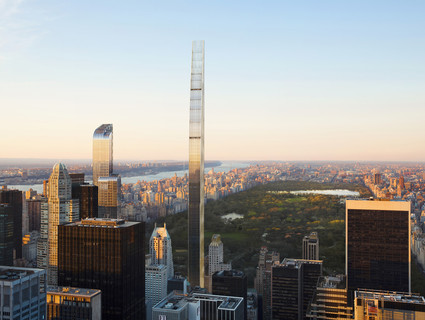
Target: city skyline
(287, 81)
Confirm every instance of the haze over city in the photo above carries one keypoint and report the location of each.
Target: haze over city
(285, 80)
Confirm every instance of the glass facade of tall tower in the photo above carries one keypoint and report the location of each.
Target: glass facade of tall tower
(378, 245)
(196, 167)
(102, 152)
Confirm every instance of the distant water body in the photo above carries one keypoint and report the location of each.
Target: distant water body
(336, 192)
(224, 167)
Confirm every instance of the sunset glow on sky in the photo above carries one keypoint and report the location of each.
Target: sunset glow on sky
(284, 80)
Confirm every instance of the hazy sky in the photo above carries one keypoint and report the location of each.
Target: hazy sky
(284, 80)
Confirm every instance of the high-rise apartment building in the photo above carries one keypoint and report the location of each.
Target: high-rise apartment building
(378, 245)
(22, 293)
(108, 196)
(196, 168)
(311, 247)
(160, 249)
(102, 152)
(215, 256)
(64, 303)
(106, 254)
(58, 208)
(6, 235)
(293, 284)
(232, 283)
(14, 199)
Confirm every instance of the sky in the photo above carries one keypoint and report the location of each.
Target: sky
(284, 80)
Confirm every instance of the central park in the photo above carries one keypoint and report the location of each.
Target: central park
(270, 215)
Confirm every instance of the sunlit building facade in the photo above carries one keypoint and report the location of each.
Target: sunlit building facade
(160, 249)
(196, 167)
(108, 188)
(378, 245)
(102, 152)
(59, 208)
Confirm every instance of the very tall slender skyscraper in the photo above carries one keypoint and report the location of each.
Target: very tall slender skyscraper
(102, 152)
(196, 167)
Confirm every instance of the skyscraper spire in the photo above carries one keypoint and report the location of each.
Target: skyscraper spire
(196, 167)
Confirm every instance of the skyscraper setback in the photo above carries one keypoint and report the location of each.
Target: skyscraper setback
(196, 167)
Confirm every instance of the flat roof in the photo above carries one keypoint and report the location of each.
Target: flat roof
(378, 204)
(102, 222)
(390, 296)
(296, 263)
(70, 291)
(15, 273)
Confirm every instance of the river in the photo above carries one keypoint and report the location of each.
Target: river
(224, 167)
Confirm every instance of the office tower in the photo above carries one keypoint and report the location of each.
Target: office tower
(330, 300)
(6, 235)
(262, 281)
(102, 152)
(64, 303)
(382, 305)
(14, 199)
(106, 254)
(77, 178)
(160, 249)
(231, 283)
(22, 293)
(378, 245)
(293, 284)
(59, 208)
(34, 214)
(87, 196)
(196, 168)
(155, 283)
(215, 256)
(108, 196)
(311, 247)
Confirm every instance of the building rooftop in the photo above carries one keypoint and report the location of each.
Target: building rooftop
(229, 273)
(174, 302)
(390, 296)
(337, 282)
(15, 273)
(69, 291)
(229, 303)
(296, 263)
(103, 222)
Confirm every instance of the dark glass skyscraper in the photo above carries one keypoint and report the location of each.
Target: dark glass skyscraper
(6, 235)
(14, 199)
(378, 245)
(293, 284)
(231, 283)
(106, 254)
(196, 167)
